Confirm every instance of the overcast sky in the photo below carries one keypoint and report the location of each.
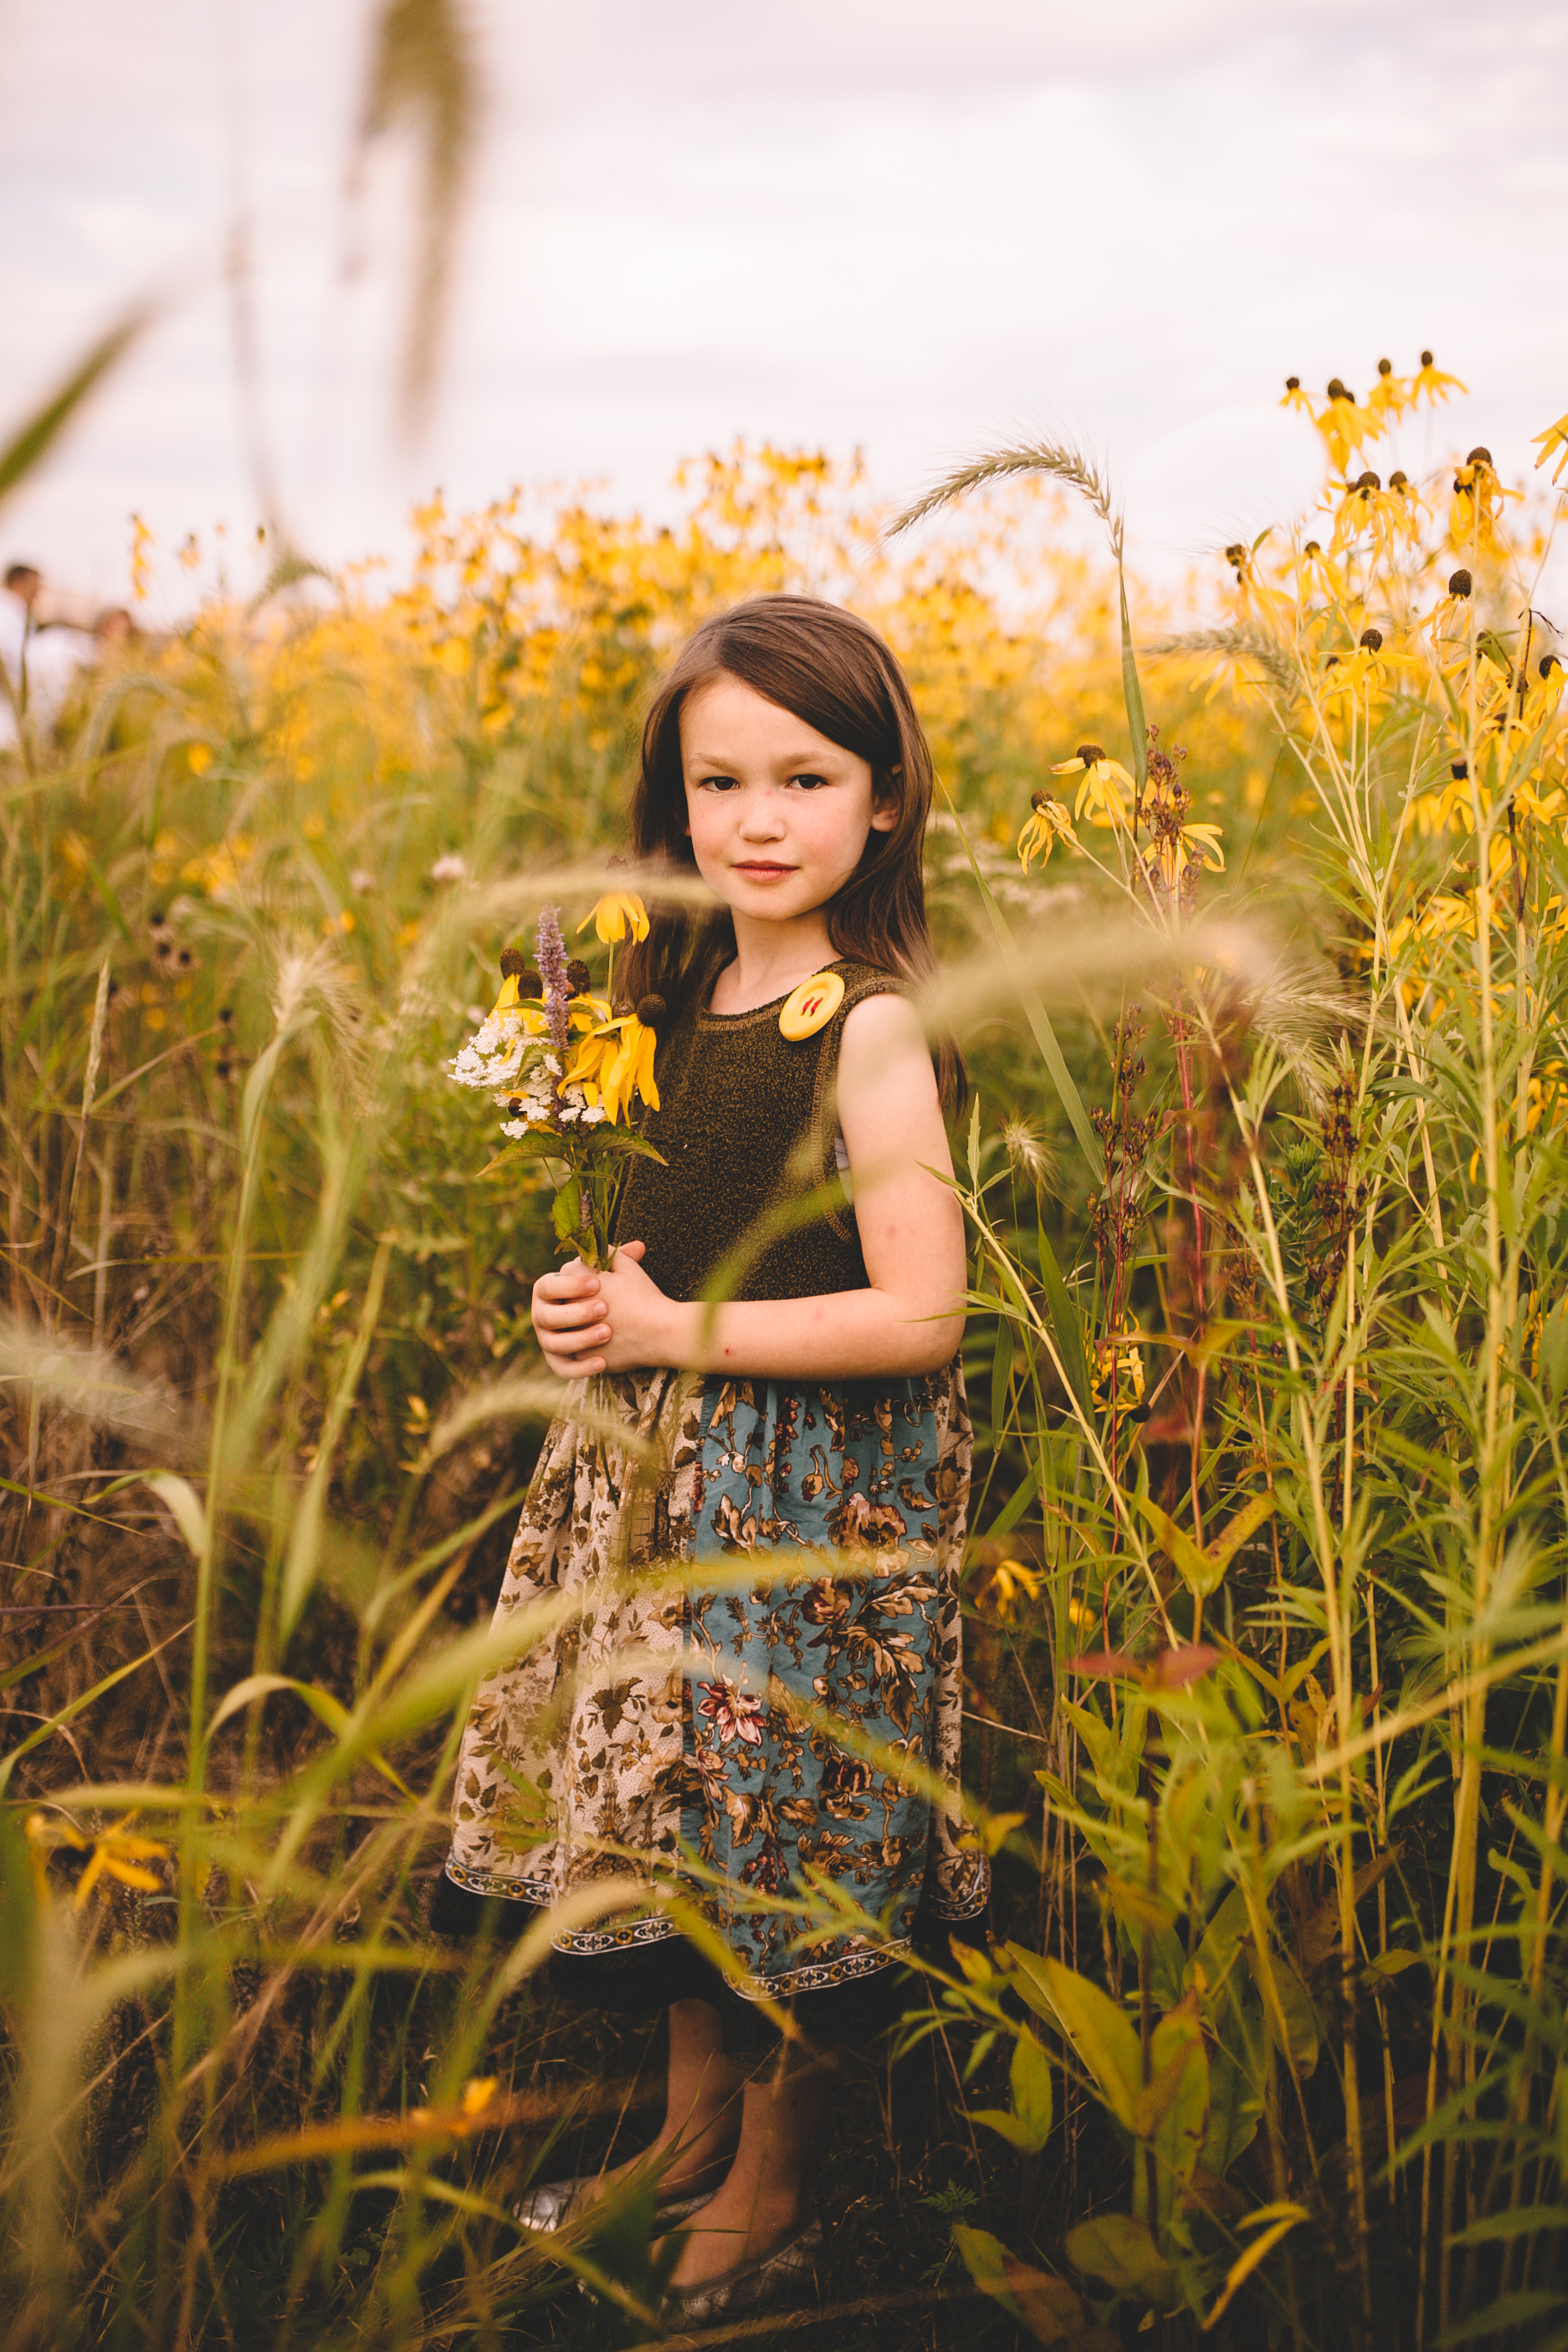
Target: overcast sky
(879, 223)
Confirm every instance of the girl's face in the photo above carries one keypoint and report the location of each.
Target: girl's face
(778, 815)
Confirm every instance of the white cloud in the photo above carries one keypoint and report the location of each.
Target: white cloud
(890, 223)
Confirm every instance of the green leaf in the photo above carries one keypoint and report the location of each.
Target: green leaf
(1142, 1910)
(321, 1704)
(1508, 2311)
(1100, 2034)
(567, 1211)
(1048, 2307)
(31, 441)
(183, 1504)
(1017, 1503)
(1234, 2113)
(1204, 1571)
(1175, 2105)
(1000, 1375)
(1119, 2250)
(1067, 1326)
(1273, 1974)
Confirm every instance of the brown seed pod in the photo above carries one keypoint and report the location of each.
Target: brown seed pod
(529, 985)
(1459, 770)
(1336, 389)
(1090, 754)
(577, 975)
(1312, 548)
(513, 963)
(1366, 483)
(1459, 582)
(1292, 383)
(1546, 665)
(1372, 639)
(1399, 479)
(651, 1008)
(1426, 358)
(1385, 367)
(1479, 456)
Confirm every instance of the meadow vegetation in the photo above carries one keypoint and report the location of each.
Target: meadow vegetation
(1263, 995)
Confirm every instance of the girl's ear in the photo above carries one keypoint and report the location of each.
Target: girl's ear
(887, 801)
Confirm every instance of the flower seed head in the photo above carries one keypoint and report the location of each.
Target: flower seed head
(1292, 383)
(1336, 389)
(1039, 800)
(1385, 367)
(1459, 582)
(1479, 456)
(1366, 483)
(1372, 639)
(529, 985)
(1311, 548)
(513, 963)
(1235, 554)
(1090, 754)
(1546, 665)
(651, 1008)
(577, 975)
(1459, 770)
(1426, 358)
(513, 1105)
(1399, 479)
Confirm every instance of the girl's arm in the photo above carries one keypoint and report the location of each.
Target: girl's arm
(911, 1235)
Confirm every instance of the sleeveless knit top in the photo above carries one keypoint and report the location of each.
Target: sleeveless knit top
(748, 1127)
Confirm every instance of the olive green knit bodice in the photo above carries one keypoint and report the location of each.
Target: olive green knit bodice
(747, 1125)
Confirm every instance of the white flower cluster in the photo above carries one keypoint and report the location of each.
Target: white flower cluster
(541, 1089)
(493, 1055)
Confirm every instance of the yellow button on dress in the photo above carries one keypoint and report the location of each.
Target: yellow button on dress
(812, 1005)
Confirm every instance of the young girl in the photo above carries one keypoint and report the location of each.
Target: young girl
(812, 1427)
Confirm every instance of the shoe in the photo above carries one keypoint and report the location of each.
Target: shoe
(787, 2271)
(556, 2202)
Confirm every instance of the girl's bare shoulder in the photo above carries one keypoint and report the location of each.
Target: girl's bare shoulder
(884, 1045)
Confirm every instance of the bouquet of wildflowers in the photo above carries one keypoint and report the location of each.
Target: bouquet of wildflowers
(566, 1072)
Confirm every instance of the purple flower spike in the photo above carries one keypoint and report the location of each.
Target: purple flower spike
(551, 959)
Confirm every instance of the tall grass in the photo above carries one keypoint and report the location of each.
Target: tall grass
(1269, 1684)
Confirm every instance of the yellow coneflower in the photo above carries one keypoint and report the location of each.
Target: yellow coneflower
(1106, 791)
(1011, 1580)
(1554, 438)
(1046, 823)
(1478, 497)
(615, 914)
(1390, 396)
(1118, 1371)
(1431, 384)
(614, 1061)
(1345, 425)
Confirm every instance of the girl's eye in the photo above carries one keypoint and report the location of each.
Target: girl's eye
(809, 784)
(716, 783)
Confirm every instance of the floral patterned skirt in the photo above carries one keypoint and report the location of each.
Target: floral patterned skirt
(728, 1745)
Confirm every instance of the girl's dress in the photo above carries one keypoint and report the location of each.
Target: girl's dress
(661, 1727)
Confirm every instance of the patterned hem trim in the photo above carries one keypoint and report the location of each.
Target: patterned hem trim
(938, 1907)
(590, 1943)
(537, 1890)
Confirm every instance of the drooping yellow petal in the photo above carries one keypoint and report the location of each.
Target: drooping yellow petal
(616, 912)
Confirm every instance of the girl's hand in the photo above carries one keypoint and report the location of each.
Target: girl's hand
(615, 1320)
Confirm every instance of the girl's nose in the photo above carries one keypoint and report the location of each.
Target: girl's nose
(762, 819)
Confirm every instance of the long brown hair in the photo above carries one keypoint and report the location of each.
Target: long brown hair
(832, 670)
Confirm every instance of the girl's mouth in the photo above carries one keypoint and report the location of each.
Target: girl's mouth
(762, 869)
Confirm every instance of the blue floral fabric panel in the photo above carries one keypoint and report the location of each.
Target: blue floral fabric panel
(838, 1493)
